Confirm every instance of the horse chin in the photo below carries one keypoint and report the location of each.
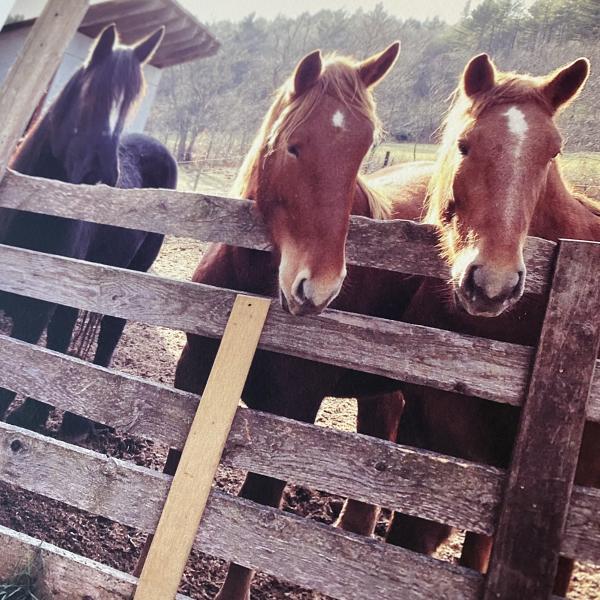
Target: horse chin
(480, 308)
(300, 310)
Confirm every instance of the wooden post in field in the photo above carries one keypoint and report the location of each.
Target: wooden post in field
(540, 482)
(34, 68)
(193, 480)
(198, 173)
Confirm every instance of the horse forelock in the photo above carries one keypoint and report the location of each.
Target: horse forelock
(339, 79)
(117, 81)
(510, 88)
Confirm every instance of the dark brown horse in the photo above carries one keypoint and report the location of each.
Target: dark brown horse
(79, 140)
(497, 181)
(303, 174)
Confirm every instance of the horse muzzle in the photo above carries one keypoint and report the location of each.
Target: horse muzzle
(485, 292)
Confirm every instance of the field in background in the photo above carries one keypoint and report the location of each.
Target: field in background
(582, 169)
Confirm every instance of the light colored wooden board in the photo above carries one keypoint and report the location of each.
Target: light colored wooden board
(413, 353)
(28, 78)
(422, 484)
(62, 575)
(337, 563)
(393, 245)
(202, 451)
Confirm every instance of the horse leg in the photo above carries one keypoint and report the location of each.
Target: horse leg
(416, 534)
(476, 551)
(377, 417)
(564, 573)
(28, 325)
(58, 338)
(75, 427)
(266, 491)
(587, 475)
(111, 330)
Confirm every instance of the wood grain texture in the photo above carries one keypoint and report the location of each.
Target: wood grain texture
(62, 575)
(540, 482)
(29, 76)
(420, 483)
(191, 486)
(337, 563)
(582, 531)
(474, 366)
(423, 484)
(392, 245)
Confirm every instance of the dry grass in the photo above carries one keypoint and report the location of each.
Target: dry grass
(21, 587)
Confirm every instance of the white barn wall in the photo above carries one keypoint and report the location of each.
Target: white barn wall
(12, 41)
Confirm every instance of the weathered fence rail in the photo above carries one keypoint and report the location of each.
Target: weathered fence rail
(392, 245)
(62, 574)
(424, 484)
(232, 528)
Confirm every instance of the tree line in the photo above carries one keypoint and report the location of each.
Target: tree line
(212, 108)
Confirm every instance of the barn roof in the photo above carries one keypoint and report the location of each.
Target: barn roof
(186, 39)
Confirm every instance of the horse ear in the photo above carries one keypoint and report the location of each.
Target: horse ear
(479, 75)
(374, 69)
(104, 44)
(307, 72)
(565, 83)
(144, 50)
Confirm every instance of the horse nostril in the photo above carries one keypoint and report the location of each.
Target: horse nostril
(283, 301)
(469, 284)
(300, 292)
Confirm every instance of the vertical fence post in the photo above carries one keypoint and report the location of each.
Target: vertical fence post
(34, 68)
(540, 481)
(201, 454)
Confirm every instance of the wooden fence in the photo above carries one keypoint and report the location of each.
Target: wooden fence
(557, 380)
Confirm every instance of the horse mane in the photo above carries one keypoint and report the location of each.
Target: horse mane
(510, 88)
(380, 204)
(339, 79)
(592, 205)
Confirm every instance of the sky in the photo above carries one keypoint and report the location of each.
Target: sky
(448, 10)
(208, 12)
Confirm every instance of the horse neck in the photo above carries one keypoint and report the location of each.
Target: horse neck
(560, 214)
(34, 156)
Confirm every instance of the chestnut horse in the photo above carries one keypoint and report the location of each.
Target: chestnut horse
(302, 172)
(497, 181)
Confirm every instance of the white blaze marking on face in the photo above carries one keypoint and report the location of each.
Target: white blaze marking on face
(517, 126)
(115, 111)
(338, 119)
(517, 123)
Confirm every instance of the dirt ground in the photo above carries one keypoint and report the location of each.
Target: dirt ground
(152, 352)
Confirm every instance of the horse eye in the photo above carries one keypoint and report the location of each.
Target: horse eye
(293, 150)
(449, 211)
(463, 148)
